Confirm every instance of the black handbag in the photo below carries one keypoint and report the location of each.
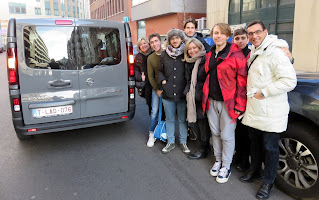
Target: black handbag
(140, 85)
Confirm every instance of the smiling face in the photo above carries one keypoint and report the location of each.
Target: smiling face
(219, 37)
(190, 29)
(256, 34)
(175, 41)
(241, 40)
(156, 44)
(192, 49)
(144, 46)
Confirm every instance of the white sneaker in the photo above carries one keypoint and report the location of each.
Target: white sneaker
(215, 169)
(223, 175)
(151, 140)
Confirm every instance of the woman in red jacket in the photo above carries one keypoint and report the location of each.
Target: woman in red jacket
(224, 97)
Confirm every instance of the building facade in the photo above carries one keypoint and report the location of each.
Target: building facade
(292, 20)
(41, 9)
(149, 16)
(162, 15)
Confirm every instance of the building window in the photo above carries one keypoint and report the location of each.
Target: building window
(141, 32)
(37, 0)
(268, 3)
(37, 11)
(234, 6)
(249, 5)
(267, 11)
(286, 2)
(47, 7)
(17, 8)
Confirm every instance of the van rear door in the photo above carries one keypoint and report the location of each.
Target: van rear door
(103, 76)
(48, 72)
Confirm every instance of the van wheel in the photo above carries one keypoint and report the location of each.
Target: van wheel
(298, 162)
(23, 137)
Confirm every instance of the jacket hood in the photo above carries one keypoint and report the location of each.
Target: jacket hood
(270, 42)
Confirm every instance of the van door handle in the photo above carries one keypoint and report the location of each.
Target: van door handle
(60, 83)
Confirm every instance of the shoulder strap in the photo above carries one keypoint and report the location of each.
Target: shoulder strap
(160, 110)
(255, 58)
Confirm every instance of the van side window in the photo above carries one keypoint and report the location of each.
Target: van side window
(48, 47)
(97, 47)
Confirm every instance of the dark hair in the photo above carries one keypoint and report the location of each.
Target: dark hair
(257, 22)
(154, 35)
(240, 31)
(190, 20)
(225, 29)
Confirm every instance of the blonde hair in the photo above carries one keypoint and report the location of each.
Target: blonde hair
(225, 29)
(139, 43)
(196, 42)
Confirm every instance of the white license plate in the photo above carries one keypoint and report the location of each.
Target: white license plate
(52, 111)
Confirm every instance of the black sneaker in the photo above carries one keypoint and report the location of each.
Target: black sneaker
(168, 147)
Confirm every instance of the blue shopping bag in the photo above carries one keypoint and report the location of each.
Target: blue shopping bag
(160, 129)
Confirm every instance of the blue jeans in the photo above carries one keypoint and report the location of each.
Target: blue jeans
(264, 143)
(170, 111)
(154, 110)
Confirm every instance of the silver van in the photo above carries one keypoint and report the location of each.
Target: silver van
(69, 73)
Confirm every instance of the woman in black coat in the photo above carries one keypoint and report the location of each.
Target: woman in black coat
(194, 57)
(140, 69)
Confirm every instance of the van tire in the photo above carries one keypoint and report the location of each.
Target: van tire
(292, 165)
(23, 137)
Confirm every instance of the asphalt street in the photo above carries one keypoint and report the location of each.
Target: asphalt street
(106, 162)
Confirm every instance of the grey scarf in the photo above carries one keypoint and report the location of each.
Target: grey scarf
(190, 96)
(174, 52)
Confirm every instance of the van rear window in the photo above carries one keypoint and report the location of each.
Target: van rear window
(71, 48)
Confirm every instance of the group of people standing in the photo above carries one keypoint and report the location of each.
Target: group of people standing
(209, 88)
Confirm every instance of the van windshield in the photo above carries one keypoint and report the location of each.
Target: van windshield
(71, 48)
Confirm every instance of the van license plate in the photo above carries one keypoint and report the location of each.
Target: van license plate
(52, 111)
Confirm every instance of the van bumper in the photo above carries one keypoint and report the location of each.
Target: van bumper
(72, 124)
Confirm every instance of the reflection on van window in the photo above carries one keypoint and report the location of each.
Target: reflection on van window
(97, 47)
(70, 48)
(46, 47)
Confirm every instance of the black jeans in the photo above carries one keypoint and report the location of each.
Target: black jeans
(242, 142)
(202, 130)
(264, 143)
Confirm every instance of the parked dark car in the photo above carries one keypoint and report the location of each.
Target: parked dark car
(299, 145)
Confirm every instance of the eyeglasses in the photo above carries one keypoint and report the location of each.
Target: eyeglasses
(258, 32)
(240, 38)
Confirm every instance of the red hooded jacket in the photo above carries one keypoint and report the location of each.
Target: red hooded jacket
(232, 78)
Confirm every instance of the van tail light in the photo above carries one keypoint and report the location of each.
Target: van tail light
(16, 105)
(132, 93)
(32, 129)
(63, 22)
(130, 58)
(12, 64)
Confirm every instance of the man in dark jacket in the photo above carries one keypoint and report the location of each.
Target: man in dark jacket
(190, 27)
(171, 76)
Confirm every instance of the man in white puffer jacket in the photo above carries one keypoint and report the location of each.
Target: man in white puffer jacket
(270, 77)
